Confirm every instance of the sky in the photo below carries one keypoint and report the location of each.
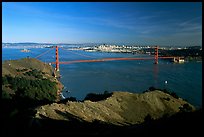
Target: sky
(138, 23)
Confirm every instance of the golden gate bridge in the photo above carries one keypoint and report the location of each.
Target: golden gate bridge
(57, 62)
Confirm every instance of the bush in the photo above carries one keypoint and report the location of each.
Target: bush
(72, 99)
(97, 97)
(145, 91)
(148, 118)
(166, 91)
(186, 108)
(39, 89)
(4, 81)
(152, 88)
(174, 95)
(167, 98)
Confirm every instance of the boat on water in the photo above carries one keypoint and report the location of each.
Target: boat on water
(25, 50)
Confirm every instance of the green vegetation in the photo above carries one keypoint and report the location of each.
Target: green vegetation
(189, 52)
(20, 94)
(26, 84)
(97, 97)
(34, 73)
(152, 88)
(182, 52)
(36, 89)
(30, 86)
(21, 70)
(6, 95)
(173, 94)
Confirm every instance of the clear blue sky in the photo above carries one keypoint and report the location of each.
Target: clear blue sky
(157, 23)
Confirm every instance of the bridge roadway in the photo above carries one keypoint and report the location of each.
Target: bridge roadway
(109, 59)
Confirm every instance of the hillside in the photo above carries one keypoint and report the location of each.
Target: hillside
(122, 108)
(12, 66)
(27, 83)
(30, 69)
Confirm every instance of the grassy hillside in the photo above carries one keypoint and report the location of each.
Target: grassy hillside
(12, 66)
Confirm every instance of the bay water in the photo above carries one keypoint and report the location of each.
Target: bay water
(134, 76)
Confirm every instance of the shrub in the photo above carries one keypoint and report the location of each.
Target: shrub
(166, 91)
(186, 108)
(152, 88)
(167, 98)
(148, 118)
(145, 91)
(97, 97)
(174, 95)
(4, 81)
(38, 89)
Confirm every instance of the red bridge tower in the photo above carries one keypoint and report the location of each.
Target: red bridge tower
(57, 59)
(156, 56)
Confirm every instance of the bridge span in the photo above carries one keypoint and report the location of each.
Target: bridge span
(107, 59)
(57, 62)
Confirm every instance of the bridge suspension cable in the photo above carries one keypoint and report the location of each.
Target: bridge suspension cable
(44, 53)
(77, 53)
(89, 56)
(155, 57)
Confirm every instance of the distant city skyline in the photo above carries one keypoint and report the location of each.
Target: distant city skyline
(139, 23)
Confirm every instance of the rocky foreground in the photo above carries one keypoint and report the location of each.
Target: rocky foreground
(122, 108)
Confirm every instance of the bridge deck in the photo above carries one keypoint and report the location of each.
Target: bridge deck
(108, 59)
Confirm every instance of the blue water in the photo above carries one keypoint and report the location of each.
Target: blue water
(133, 76)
